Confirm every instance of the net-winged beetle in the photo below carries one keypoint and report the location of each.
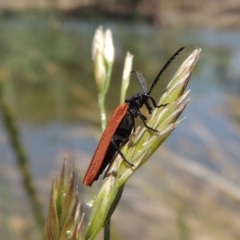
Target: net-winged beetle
(121, 124)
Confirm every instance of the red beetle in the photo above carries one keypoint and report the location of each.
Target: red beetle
(121, 124)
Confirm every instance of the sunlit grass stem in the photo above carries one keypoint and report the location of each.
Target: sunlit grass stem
(126, 76)
(103, 59)
(142, 144)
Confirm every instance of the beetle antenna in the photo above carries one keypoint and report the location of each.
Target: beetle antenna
(164, 68)
(141, 80)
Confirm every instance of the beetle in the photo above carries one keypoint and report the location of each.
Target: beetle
(121, 124)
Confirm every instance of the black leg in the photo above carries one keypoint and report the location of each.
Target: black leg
(149, 108)
(116, 138)
(162, 105)
(155, 104)
(143, 120)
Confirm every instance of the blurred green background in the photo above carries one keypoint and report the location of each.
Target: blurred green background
(190, 187)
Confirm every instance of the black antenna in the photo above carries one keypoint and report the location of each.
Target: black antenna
(141, 80)
(164, 68)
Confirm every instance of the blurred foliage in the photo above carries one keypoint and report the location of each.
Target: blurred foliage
(45, 57)
(39, 58)
(47, 71)
(42, 55)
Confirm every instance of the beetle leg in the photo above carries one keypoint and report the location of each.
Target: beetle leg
(148, 106)
(143, 118)
(155, 104)
(115, 138)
